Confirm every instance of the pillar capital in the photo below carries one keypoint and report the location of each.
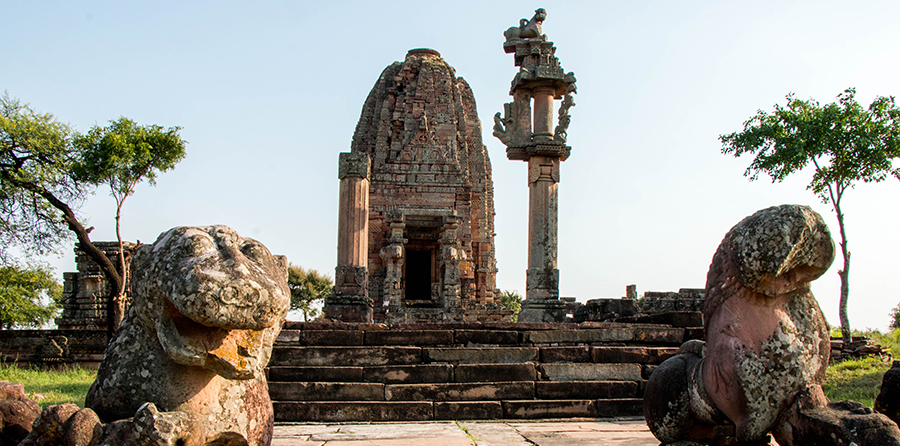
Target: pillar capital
(354, 165)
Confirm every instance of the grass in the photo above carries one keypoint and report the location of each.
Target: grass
(51, 387)
(855, 379)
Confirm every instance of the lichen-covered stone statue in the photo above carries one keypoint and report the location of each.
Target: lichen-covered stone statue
(767, 340)
(207, 306)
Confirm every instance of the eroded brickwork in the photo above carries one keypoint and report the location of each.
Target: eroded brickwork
(431, 210)
(87, 293)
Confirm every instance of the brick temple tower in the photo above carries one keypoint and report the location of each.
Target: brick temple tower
(418, 164)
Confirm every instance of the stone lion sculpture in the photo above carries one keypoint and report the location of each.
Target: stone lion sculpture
(767, 344)
(207, 307)
(527, 29)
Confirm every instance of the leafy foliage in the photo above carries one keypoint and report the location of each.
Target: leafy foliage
(29, 296)
(307, 288)
(844, 142)
(35, 159)
(511, 300)
(895, 319)
(122, 155)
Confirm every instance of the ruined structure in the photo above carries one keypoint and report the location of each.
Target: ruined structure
(416, 224)
(87, 293)
(533, 139)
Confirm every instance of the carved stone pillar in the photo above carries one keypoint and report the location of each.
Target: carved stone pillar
(540, 80)
(350, 300)
(393, 255)
(451, 256)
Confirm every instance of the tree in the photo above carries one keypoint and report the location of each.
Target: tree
(120, 156)
(307, 287)
(29, 296)
(47, 169)
(511, 300)
(844, 142)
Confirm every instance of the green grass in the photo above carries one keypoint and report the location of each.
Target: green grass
(857, 380)
(51, 387)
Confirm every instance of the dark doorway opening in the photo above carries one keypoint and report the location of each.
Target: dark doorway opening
(418, 276)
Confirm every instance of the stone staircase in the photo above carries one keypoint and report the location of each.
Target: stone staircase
(331, 371)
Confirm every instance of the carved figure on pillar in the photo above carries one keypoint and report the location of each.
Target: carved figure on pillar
(527, 130)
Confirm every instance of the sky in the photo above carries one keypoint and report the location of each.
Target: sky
(268, 93)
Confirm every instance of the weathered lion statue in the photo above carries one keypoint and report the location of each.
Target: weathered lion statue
(527, 29)
(207, 307)
(767, 347)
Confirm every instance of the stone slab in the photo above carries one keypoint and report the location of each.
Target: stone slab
(352, 411)
(465, 373)
(330, 337)
(481, 355)
(657, 335)
(460, 391)
(409, 374)
(344, 356)
(468, 410)
(323, 374)
(633, 354)
(612, 334)
(549, 409)
(566, 354)
(564, 390)
(319, 391)
(486, 337)
(409, 337)
(620, 407)
(591, 372)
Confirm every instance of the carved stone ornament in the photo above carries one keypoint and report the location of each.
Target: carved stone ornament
(353, 164)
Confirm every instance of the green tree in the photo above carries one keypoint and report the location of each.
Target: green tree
(307, 288)
(511, 300)
(120, 156)
(47, 169)
(29, 296)
(845, 143)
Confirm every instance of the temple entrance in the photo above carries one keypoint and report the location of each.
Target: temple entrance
(418, 276)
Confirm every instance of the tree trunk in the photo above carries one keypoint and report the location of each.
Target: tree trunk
(118, 302)
(109, 270)
(844, 274)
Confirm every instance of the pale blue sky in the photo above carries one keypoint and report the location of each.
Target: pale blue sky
(268, 93)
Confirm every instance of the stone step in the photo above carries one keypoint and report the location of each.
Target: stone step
(325, 391)
(632, 354)
(460, 391)
(338, 411)
(626, 333)
(460, 337)
(591, 372)
(418, 373)
(345, 356)
(480, 355)
(566, 390)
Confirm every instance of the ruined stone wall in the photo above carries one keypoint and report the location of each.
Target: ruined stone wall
(86, 293)
(431, 174)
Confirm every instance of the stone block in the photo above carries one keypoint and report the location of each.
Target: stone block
(549, 409)
(582, 336)
(591, 372)
(489, 337)
(468, 410)
(418, 373)
(565, 390)
(566, 354)
(322, 374)
(353, 356)
(337, 411)
(318, 391)
(682, 319)
(632, 354)
(460, 391)
(647, 370)
(694, 333)
(495, 372)
(330, 337)
(409, 337)
(624, 407)
(481, 355)
(657, 335)
(288, 337)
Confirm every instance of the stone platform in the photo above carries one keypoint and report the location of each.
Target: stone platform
(597, 432)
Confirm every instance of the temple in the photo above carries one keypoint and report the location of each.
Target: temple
(416, 223)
